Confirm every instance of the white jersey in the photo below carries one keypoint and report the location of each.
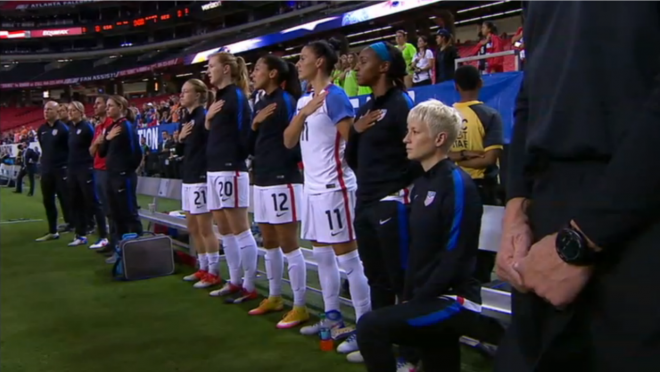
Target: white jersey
(322, 146)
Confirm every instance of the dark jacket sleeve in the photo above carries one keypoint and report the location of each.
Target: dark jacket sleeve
(179, 146)
(244, 113)
(626, 199)
(519, 183)
(351, 154)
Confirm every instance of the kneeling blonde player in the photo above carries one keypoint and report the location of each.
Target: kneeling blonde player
(191, 143)
(321, 126)
(278, 185)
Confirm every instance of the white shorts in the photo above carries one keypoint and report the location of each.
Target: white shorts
(277, 204)
(194, 198)
(328, 217)
(228, 190)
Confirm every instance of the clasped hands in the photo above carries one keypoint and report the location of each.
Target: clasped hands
(536, 267)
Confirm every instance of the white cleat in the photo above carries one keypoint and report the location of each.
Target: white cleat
(355, 357)
(349, 345)
(403, 366)
(100, 244)
(79, 240)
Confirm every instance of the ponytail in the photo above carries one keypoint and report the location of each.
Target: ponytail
(292, 82)
(242, 77)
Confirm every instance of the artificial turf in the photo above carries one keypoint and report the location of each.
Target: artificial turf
(62, 312)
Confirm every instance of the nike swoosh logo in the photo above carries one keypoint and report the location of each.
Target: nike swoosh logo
(90, 181)
(335, 234)
(382, 222)
(122, 190)
(225, 199)
(349, 273)
(280, 214)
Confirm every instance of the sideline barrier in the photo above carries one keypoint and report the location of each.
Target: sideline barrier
(8, 173)
(499, 91)
(496, 296)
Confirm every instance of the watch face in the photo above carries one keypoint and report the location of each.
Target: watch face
(570, 245)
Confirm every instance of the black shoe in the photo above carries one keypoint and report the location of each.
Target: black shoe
(17, 192)
(29, 194)
(105, 250)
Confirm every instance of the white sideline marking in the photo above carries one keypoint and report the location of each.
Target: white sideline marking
(18, 221)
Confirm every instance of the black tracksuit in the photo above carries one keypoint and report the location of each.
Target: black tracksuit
(230, 129)
(29, 167)
(586, 133)
(273, 164)
(442, 297)
(123, 156)
(86, 203)
(54, 142)
(378, 157)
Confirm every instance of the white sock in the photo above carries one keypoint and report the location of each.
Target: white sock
(249, 254)
(203, 261)
(297, 276)
(233, 256)
(328, 276)
(275, 271)
(213, 260)
(357, 282)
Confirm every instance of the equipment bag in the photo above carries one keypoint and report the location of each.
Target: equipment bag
(143, 257)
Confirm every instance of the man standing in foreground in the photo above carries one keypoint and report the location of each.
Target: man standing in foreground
(53, 139)
(100, 174)
(581, 229)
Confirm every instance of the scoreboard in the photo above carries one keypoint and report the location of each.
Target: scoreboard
(136, 23)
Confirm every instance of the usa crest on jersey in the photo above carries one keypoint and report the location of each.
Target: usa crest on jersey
(430, 197)
(78, 131)
(54, 132)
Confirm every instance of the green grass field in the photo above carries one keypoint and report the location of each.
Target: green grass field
(61, 312)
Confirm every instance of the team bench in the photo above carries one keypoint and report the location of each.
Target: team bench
(496, 296)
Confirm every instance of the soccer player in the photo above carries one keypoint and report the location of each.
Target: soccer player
(82, 183)
(440, 296)
(228, 121)
(376, 152)
(100, 172)
(278, 185)
(321, 126)
(191, 144)
(121, 148)
(53, 137)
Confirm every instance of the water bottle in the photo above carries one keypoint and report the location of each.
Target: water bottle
(325, 336)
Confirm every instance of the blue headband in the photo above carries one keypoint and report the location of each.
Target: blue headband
(381, 50)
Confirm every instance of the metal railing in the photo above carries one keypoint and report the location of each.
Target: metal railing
(515, 53)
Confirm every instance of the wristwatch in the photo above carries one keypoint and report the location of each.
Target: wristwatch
(463, 157)
(572, 247)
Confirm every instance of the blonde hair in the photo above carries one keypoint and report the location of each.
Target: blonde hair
(237, 68)
(80, 107)
(123, 103)
(205, 96)
(439, 118)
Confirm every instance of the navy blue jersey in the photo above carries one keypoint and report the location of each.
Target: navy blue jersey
(445, 223)
(193, 147)
(80, 139)
(273, 164)
(229, 132)
(122, 153)
(378, 155)
(54, 142)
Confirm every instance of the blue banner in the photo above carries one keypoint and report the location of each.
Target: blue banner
(499, 92)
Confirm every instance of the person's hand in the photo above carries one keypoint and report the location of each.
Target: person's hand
(113, 133)
(214, 109)
(99, 139)
(544, 272)
(186, 129)
(515, 243)
(263, 114)
(313, 104)
(367, 121)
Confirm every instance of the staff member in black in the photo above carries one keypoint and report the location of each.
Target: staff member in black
(28, 166)
(121, 148)
(82, 183)
(441, 297)
(377, 154)
(581, 226)
(53, 137)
